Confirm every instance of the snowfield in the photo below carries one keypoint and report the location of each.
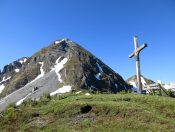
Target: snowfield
(62, 90)
(22, 100)
(58, 66)
(2, 88)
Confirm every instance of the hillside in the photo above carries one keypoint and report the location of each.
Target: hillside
(61, 67)
(99, 112)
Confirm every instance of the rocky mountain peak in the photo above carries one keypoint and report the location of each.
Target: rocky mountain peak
(132, 81)
(63, 40)
(61, 67)
(13, 67)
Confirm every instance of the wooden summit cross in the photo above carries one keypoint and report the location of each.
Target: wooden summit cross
(136, 55)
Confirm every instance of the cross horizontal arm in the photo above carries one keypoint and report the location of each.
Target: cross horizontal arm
(132, 55)
(141, 48)
(138, 50)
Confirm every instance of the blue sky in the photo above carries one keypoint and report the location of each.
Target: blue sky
(104, 27)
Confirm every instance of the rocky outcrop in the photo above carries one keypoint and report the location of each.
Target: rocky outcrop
(9, 71)
(13, 67)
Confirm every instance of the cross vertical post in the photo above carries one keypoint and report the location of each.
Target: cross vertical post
(138, 74)
(137, 59)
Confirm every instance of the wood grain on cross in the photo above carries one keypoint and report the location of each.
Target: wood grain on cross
(136, 55)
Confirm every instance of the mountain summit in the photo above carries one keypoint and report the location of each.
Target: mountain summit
(133, 81)
(63, 66)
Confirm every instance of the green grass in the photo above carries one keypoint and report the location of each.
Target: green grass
(110, 112)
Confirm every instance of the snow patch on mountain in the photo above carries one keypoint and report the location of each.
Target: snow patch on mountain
(42, 72)
(22, 100)
(64, 39)
(98, 76)
(100, 68)
(87, 94)
(134, 88)
(58, 66)
(16, 70)
(62, 90)
(133, 83)
(2, 88)
(59, 41)
(78, 92)
(23, 60)
(5, 79)
(143, 81)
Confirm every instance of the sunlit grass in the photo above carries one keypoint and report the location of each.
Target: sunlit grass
(110, 112)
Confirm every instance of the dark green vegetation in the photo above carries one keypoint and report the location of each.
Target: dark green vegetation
(99, 112)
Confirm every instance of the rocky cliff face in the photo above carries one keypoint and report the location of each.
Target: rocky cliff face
(9, 71)
(61, 67)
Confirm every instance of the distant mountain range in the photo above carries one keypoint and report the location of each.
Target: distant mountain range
(63, 66)
(132, 81)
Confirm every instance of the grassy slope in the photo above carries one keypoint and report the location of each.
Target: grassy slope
(127, 112)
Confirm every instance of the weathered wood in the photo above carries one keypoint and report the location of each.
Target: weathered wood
(152, 88)
(138, 50)
(136, 55)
